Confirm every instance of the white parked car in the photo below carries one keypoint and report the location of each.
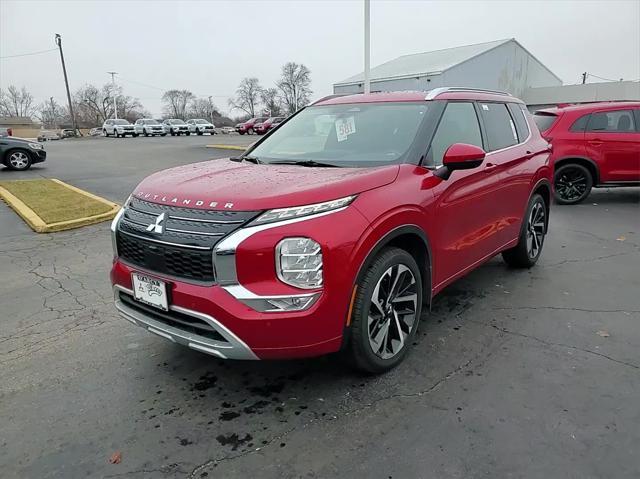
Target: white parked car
(118, 128)
(200, 126)
(227, 130)
(176, 126)
(149, 127)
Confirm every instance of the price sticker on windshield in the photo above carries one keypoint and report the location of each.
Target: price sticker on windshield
(345, 127)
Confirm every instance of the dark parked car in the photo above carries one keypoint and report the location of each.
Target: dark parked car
(594, 145)
(19, 154)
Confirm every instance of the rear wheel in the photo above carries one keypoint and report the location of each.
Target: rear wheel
(573, 183)
(18, 160)
(386, 311)
(198, 132)
(532, 233)
(146, 133)
(188, 133)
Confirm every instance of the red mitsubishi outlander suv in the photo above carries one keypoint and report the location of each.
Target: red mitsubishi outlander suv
(594, 145)
(336, 230)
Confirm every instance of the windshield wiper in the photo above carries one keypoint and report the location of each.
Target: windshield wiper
(311, 163)
(251, 159)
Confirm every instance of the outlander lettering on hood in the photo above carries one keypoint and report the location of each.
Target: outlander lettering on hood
(334, 230)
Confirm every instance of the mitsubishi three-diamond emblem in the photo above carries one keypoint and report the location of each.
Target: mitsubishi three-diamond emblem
(156, 227)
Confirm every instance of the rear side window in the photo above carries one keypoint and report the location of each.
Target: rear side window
(459, 124)
(544, 121)
(518, 115)
(620, 121)
(501, 130)
(580, 124)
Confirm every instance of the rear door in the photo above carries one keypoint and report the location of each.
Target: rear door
(612, 139)
(466, 202)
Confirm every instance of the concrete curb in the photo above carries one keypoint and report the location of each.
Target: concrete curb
(38, 225)
(229, 147)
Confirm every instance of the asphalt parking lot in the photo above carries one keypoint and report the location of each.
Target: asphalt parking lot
(513, 374)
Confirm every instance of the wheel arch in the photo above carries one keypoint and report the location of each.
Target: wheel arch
(7, 153)
(412, 239)
(588, 163)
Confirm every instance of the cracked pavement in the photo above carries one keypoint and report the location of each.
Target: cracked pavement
(508, 376)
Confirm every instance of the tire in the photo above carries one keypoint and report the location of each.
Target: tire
(145, 132)
(241, 132)
(198, 132)
(135, 135)
(532, 233)
(188, 133)
(104, 132)
(18, 160)
(572, 184)
(173, 133)
(372, 347)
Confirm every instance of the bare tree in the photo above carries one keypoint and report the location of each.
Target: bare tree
(176, 101)
(247, 96)
(294, 86)
(16, 102)
(94, 105)
(271, 101)
(203, 108)
(51, 114)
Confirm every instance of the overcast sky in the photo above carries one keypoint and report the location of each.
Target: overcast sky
(209, 46)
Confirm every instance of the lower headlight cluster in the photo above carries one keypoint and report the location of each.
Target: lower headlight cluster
(299, 262)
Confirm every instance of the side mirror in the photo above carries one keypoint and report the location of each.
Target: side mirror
(460, 156)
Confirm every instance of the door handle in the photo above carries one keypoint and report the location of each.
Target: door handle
(489, 167)
(595, 142)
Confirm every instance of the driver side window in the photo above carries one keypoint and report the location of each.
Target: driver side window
(459, 124)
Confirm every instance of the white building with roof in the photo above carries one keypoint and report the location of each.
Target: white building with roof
(499, 65)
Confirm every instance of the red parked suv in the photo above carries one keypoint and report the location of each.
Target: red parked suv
(594, 145)
(335, 231)
(268, 124)
(247, 126)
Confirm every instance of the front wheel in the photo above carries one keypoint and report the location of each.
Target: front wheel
(573, 183)
(386, 311)
(532, 233)
(146, 133)
(135, 135)
(18, 160)
(241, 132)
(188, 133)
(199, 132)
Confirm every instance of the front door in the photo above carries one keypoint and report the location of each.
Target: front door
(465, 203)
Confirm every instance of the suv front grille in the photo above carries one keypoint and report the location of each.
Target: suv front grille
(184, 246)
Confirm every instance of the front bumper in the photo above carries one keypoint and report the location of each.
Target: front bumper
(315, 331)
(38, 156)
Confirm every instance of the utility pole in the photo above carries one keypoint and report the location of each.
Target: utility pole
(367, 50)
(210, 109)
(66, 82)
(584, 78)
(115, 94)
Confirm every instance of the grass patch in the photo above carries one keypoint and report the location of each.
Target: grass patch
(53, 202)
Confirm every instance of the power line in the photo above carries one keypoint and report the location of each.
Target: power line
(29, 54)
(600, 78)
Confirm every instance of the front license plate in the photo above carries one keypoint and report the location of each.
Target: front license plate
(150, 291)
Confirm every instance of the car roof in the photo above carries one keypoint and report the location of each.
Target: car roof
(586, 107)
(415, 96)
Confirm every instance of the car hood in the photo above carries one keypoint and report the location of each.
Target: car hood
(221, 184)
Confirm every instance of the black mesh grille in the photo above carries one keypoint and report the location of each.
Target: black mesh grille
(184, 246)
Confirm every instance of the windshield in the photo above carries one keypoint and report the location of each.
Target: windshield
(544, 120)
(151, 122)
(120, 122)
(346, 135)
(177, 122)
(201, 122)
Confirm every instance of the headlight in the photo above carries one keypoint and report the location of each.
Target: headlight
(36, 146)
(281, 214)
(299, 262)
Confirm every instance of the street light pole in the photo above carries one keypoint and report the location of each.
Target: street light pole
(115, 94)
(58, 40)
(367, 49)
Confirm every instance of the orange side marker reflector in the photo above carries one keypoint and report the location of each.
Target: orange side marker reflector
(353, 300)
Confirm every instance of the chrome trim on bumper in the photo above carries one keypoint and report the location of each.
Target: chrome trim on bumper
(233, 348)
(263, 304)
